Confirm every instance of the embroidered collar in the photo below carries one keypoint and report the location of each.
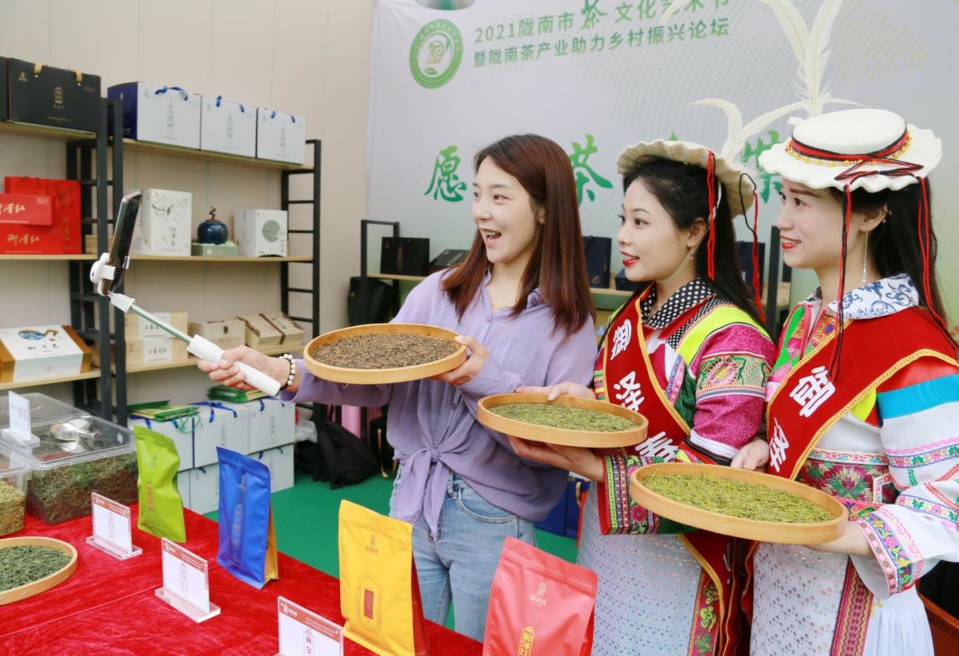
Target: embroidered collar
(877, 299)
(687, 296)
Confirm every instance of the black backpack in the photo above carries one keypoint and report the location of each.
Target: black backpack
(338, 456)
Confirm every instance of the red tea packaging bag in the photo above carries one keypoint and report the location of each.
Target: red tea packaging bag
(539, 604)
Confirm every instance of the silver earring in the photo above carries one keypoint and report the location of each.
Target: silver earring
(865, 253)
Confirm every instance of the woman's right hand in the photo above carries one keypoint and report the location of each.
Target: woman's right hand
(225, 372)
(553, 392)
(579, 460)
(754, 456)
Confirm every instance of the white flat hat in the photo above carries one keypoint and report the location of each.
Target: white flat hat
(869, 148)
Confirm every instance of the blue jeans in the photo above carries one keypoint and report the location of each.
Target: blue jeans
(459, 562)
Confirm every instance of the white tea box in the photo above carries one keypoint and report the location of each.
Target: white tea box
(220, 424)
(164, 224)
(159, 113)
(227, 127)
(260, 232)
(37, 352)
(280, 137)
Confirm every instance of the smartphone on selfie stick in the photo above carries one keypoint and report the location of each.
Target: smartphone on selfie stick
(106, 275)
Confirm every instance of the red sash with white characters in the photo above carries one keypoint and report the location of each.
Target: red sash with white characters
(632, 385)
(807, 403)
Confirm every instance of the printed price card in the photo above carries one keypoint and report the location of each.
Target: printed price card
(304, 633)
(186, 584)
(111, 528)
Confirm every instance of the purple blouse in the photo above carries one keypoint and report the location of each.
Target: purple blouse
(432, 425)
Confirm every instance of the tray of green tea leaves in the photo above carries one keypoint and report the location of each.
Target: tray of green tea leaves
(739, 503)
(31, 565)
(380, 353)
(568, 420)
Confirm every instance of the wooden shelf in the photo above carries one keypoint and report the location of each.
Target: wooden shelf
(396, 276)
(201, 258)
(93, 373)
(134, 146)
(191, 360)
(48, 258)
(43, 131)
(610, 291)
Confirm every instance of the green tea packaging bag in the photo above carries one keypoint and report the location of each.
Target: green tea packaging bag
(161, 508)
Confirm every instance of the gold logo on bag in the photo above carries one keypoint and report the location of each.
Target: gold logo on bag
(58, 97)
(526, 642)
(539, 597)
(371, 547)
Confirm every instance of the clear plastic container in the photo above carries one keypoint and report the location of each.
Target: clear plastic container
(43, 408)
(75, 457)
(13, 497)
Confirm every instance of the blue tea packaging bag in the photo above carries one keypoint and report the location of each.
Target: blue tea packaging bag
(247, 540)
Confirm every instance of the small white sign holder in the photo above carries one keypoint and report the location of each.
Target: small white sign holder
(186, 584)
(111, 528)
(19, 429)
(304, 633)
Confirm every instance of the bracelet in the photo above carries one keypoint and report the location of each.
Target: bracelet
(289, 380)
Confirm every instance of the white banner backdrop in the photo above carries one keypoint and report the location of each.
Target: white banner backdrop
(597, 75)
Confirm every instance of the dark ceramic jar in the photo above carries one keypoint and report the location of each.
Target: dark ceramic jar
(212, 231)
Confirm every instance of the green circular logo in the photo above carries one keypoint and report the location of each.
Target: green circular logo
(436, 54)
(271, 230)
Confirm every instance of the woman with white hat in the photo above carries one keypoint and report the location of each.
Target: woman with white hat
(864, 396)
(688, 351)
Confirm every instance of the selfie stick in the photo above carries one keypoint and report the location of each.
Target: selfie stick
(197, 345)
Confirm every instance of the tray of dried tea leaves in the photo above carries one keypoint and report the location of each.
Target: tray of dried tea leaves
(739, 503)
(569, 420)
(31, 565)
(379, 353)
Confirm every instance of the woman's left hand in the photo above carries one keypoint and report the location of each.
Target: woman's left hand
(478, 355)
(852, 542)
(576, 459)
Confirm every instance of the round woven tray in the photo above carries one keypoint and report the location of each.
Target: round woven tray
(47, 582)
(750, 529)
(382, 376)
(538, 433)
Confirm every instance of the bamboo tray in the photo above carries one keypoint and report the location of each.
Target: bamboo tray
(563, 436)
(382, 376)
(47, 582)
(749, 529)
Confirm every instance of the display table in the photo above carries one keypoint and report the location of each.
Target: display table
(109, 607)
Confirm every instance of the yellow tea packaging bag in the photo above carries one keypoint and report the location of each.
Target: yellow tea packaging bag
(379, 593)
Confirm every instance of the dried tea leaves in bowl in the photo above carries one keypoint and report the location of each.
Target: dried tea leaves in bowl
(20, 566)
(563, 416)
(736, 498)
(383, 351)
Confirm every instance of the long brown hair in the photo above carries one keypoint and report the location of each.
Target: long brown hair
(558, 263)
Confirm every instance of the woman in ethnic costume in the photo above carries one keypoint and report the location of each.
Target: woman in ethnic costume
(864, 397)
(687, 351)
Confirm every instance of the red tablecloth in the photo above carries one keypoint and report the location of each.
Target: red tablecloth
(109, 607)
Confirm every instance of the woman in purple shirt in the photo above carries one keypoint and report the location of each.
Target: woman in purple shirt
(522, 305)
